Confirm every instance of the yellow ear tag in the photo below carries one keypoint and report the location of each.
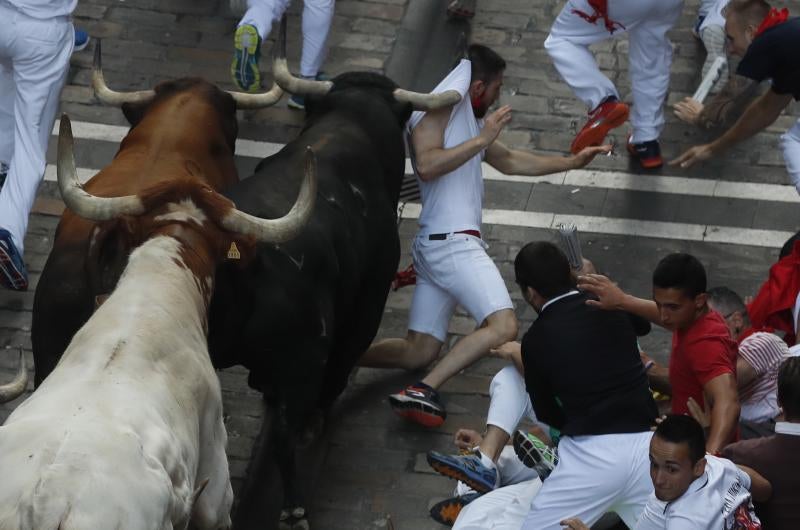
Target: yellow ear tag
(233, 252)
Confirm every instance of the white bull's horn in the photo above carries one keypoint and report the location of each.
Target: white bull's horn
(285, 79)
(257, 101)
(288, 226)
(111, 97)
(427, 102)
(15, 388)
(79, 201)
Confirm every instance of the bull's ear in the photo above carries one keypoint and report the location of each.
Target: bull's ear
(134, 112)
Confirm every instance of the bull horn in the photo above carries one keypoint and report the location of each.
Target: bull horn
(111, 97)
(257, 101)
(285, 79)
(15, 388)
(427, 102)
(79, 201)
(288, 226)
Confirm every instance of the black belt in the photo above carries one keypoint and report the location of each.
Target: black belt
(440, 237)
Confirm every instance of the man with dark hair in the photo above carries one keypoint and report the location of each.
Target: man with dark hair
(585, 378)
(702, 361)
(757, 361)
(777, 458)
(449, 255)
(692, 490)
(768, 42)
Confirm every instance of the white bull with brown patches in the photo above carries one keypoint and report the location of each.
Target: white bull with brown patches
(127, 431)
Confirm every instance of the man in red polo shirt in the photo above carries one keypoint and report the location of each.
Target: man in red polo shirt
(703, 358)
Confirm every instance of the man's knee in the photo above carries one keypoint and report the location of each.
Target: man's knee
(504, 325)
(506, 378)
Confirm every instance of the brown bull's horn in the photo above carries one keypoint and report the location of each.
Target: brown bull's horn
(79, 201)
(427, 102)
(257, 101)
(288, 226)
(285, 79)
(111, 97)
(15, 388)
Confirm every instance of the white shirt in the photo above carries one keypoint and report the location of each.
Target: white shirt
(708, 504)
(452, 202)
(45, 9)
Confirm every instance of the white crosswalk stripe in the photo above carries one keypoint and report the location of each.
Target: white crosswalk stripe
(612, 180)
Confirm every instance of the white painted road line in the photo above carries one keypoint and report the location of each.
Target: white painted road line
(628, 227)
(615, 180)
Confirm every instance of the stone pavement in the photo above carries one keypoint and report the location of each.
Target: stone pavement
(373, 463)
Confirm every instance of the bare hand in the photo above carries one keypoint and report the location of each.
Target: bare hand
(587, 154)
(688, 110)
(507, 351)
(609, 295)
(573, 523)
(694, 155)
(467, 439)
(494, 123)
(697, 412)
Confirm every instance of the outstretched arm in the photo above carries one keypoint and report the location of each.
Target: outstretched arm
(724, 402)
(611, 297)
(516, 162)
(433, 160)
(758, 116)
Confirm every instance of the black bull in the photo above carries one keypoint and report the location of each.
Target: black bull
(301, 314)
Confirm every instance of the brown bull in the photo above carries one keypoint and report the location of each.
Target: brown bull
(182, 130)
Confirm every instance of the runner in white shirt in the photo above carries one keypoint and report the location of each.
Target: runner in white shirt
(449, 255)
(692, 490)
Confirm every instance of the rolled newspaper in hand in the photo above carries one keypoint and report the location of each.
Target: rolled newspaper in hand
(571, 244)
(709, 79)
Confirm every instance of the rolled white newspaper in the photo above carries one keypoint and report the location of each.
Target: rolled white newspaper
(710, 78)
(571, 244)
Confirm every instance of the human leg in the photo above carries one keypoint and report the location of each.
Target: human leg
(713, 37)
(317, 18)
(253, 28)
(790, 143)
(40, 58)
(593, 476)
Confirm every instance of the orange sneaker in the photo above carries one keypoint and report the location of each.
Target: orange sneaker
(609, 114)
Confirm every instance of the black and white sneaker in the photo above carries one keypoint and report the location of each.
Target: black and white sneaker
(420, 405)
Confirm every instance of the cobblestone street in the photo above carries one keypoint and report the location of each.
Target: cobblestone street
(372, 464)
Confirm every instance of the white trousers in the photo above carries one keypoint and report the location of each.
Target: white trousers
(501, 509)
(34, 61)
(317, 18)
(595, 475)
(649, 55)
(790, 142)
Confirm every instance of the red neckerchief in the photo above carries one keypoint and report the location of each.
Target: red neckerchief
(600, 11)
(773, 18)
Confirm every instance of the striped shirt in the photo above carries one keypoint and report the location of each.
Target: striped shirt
(764, 352)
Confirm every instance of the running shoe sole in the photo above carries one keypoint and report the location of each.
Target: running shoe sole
(443, 468)
(446, 512)
(416, 411)
(529, 454)
(595, 134)
(647, 163)
(246, 43)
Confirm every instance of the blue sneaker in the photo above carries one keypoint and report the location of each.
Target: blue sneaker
(81, 40)
(247, 51)
(467, 468)
(13, 274)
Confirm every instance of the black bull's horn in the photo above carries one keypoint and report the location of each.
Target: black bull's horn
(295, 85)
(112, 97)
(95, 208)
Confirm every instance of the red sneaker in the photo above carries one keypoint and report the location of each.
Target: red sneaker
(608, 115)
(647, 153)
